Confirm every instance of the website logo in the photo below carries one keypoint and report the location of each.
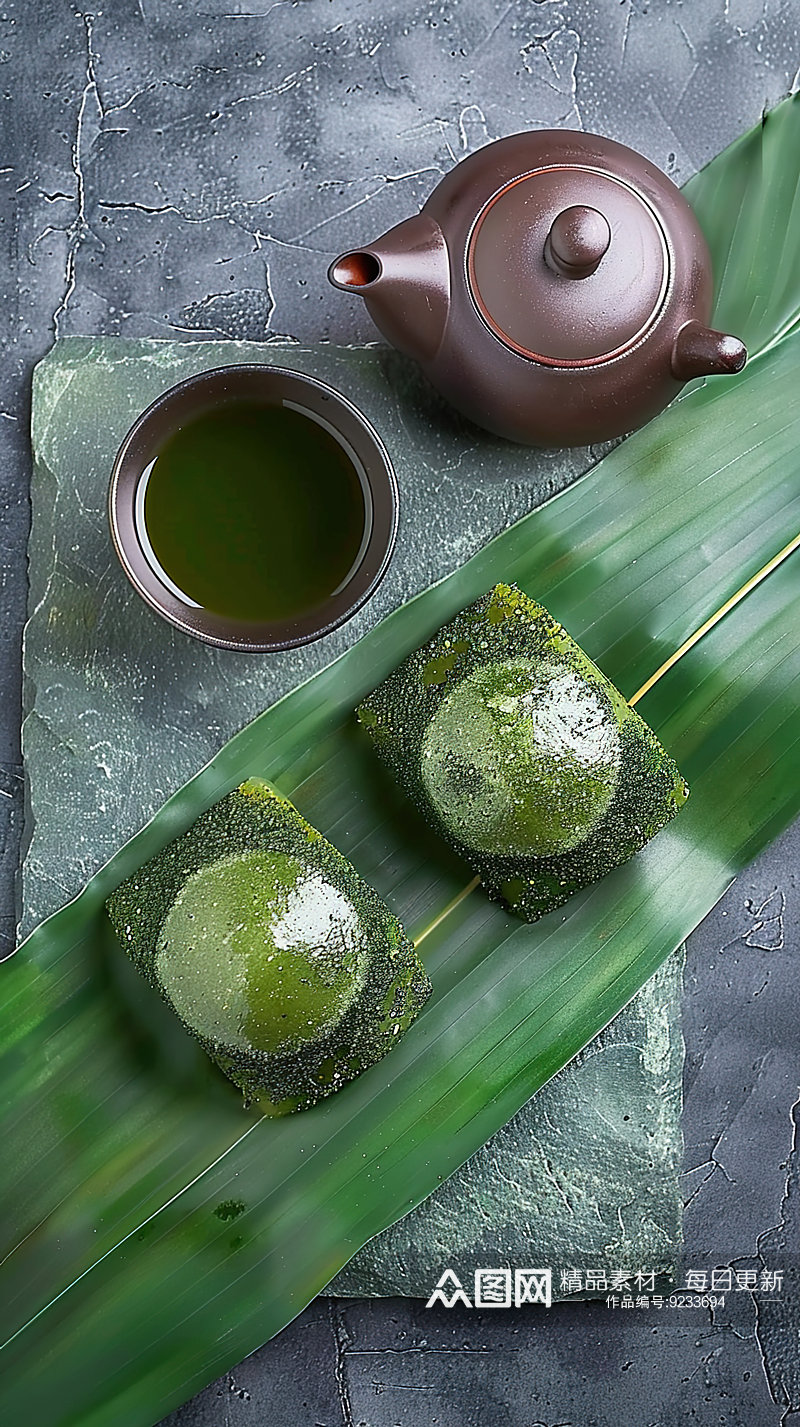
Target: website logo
(495, 1288)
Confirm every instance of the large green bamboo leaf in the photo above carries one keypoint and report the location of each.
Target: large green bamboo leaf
(157, 1232)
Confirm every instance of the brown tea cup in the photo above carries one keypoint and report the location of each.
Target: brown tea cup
(210, 391)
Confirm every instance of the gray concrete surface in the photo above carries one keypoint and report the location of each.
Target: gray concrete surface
(172, 167)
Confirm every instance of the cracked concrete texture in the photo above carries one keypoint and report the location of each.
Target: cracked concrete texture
(578, 1365)
(191, 166)
(237, 147)
(742, 1080)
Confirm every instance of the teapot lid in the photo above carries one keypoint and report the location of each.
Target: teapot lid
(568, 265)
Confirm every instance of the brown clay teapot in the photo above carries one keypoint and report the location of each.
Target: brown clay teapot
(556, 287)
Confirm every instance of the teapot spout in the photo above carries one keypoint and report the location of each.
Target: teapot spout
(404, 279)
(698, 351)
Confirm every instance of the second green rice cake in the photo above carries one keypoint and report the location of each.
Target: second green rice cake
(521, 753)
(286, 965)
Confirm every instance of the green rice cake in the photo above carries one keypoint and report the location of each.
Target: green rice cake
(286, 966)
(520, 752)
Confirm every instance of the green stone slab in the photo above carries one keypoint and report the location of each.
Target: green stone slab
(122, 709)
(585, 1175)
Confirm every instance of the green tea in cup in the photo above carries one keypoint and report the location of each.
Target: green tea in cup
(253, 507)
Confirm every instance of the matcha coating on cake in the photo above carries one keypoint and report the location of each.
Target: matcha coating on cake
(286, 966)
(521, 753)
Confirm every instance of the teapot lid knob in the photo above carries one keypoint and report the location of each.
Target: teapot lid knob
(578, 240)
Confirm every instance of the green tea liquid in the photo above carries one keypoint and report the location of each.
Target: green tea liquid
(255, 512)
